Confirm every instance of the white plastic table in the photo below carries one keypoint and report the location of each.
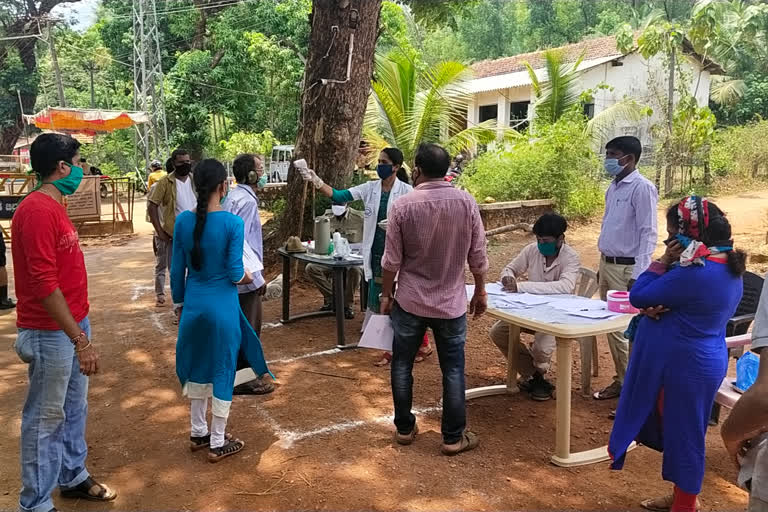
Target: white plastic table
(565, 335)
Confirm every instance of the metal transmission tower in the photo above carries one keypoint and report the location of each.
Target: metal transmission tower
(152, 138)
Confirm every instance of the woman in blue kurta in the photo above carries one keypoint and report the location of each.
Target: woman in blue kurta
(207, 265)
(679, 358)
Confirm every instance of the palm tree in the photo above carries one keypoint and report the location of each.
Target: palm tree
(408, 106)
(556, 94)
(735, 34)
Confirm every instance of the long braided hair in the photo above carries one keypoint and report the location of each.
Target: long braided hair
(209, 175)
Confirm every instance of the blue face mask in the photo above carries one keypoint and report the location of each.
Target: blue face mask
(262, 181)
(547, 248)
(385, 170)
(69, 184)
(612, 166)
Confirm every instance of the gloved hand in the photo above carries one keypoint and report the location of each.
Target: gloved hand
(310, 175)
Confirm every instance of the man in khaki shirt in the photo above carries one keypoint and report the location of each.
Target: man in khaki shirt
(349, 223)
(552, 267)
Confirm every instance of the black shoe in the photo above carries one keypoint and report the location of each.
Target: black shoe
(327, 307)
(541, 388)
(7, 303)
(349, 314)
(524, 385)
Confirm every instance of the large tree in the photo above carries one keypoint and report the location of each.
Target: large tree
(337, 81)
(19, 33)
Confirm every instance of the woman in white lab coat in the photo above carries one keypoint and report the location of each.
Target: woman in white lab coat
(377, 196)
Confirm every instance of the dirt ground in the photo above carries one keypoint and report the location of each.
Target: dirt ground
(325, 442)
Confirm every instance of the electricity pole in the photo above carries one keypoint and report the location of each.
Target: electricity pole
(55, 63)
(90, 66)
(152, 138)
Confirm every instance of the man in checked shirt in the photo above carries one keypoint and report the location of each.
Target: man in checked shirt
(432, 233)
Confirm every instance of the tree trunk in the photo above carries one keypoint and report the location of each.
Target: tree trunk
(333, 103)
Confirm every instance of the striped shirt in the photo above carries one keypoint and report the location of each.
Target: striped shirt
(432, 233)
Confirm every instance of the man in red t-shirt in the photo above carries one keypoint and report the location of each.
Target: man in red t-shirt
(54, 332)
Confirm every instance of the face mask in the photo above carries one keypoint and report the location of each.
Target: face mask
(183, 169)
(384, 170)
(69, 184)
(338, 210)
(685, 241)
(612, 166)
(547, 248)
(262, 181)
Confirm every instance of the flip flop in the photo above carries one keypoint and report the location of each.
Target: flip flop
(663, 503)
(469, 441)
(83, 491)
(384, 361)
(406, 439)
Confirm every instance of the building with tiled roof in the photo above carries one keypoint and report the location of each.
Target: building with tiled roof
(501, 88)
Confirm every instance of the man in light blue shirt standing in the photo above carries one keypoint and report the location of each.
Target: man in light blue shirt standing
(242, 201)
(627, 238)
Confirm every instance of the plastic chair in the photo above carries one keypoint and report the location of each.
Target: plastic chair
(727, 396)
(587, 286)
(738, 325)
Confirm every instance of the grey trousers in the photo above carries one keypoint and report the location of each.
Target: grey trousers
(322, 276)
(163, 251)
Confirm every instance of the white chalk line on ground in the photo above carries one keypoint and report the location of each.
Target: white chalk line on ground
(289, 437)
(247, 374)
(157, 320)
(139, 290)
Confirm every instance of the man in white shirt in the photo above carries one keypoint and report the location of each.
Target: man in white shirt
(627, 238)
(552, 267)
(171, 195)
(745, 432)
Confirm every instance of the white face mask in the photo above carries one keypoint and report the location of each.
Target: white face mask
(339, 209)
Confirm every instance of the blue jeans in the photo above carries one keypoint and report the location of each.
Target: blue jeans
(450, 336)
(53, 447)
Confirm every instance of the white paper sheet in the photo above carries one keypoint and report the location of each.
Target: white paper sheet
(251, 261)
(378, 333)
(527, 299)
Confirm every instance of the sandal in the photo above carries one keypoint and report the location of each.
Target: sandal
(468, 441)
(406, 439)
(385, 360)
(85, 491)
(423, 353)
(198, 443)
(231, 447)
(160, 302)
(663, 503)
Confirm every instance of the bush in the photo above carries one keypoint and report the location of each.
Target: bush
(741, 151)
(559, 164)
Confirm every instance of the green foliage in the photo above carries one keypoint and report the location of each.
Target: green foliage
(557, 164)
(14, 77)
(242, 142)
(409, 106)
(741, 151)
(112, 153)
(558, 93)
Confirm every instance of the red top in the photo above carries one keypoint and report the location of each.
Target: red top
(46, 255)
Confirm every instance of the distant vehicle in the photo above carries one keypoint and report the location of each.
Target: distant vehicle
(278, 165)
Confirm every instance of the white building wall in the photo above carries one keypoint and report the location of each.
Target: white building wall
(632, 79)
